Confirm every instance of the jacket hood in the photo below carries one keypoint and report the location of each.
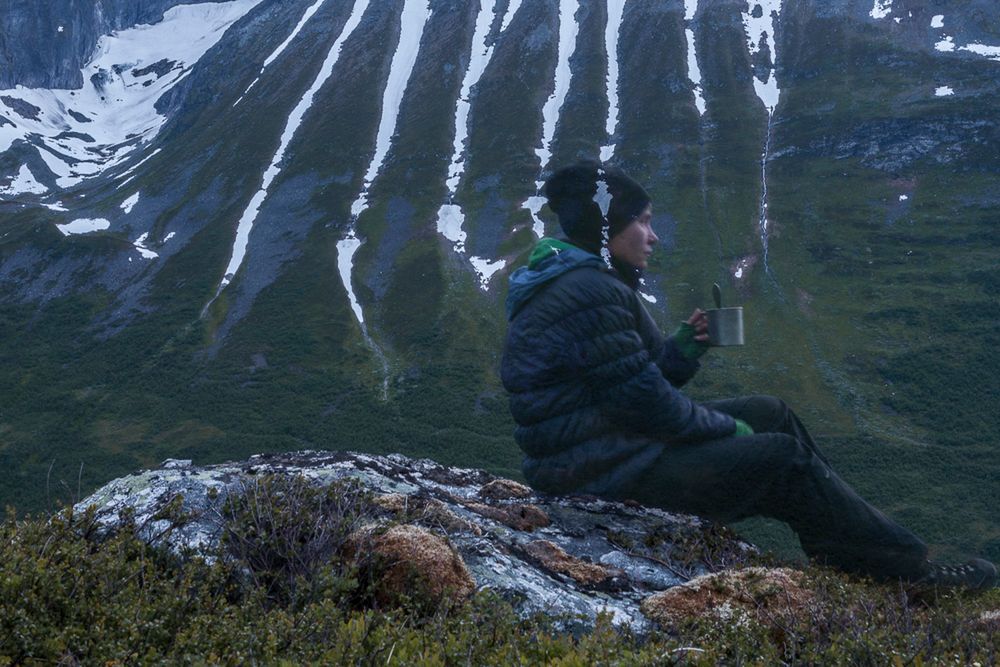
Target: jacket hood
(550, 259)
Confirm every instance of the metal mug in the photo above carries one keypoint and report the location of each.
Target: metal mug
(725, 326)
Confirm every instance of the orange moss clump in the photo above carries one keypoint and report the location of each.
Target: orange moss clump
(552, 557)
(415, 560)
(764, 595)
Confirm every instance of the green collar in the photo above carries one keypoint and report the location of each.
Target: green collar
(545, 248)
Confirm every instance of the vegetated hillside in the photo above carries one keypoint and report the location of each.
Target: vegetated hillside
(177, 232)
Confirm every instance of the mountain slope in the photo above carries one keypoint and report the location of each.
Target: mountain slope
(297, 234)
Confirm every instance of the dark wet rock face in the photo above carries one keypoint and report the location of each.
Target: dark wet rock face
(46, 43)
(564, 556)
(20, 107)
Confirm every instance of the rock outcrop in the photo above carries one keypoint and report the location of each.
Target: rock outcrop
(46, 44)
(755, 594)
(461, 529)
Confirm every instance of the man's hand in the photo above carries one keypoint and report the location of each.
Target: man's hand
(692, 336)
(742, 429)
(699, 320)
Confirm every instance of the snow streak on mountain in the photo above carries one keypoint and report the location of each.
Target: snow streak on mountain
(281, 47)
(616, 11)
(568, 30)
(694, 73)
(760, 27)
(450, 216)
(415, 15)
(291, 126)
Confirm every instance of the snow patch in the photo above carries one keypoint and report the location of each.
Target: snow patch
(937, 21)
(24, 183)
(945, 45)
(129, 203)
(903, 197)
(57, 206)
(741, 269)
(943, 91)
(694, 73)
(991, 52)
(413, 19)
(129, 71)
(568, 30)
(511, 11)
(140, 245)
(345, 265)
(534, 205)
(881, 9)
(449, 225)
(135, 166)
(84, 226)
(485, 268)
(169, 236)
(648, 297)
(760, 32)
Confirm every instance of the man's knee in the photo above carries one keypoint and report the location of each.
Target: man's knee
(786, 454)
(768, 413)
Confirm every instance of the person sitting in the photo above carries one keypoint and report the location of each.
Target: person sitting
(594, 390)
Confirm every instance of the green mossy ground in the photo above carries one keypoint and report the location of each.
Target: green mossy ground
(284, 589)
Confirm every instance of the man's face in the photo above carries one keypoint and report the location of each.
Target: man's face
(634, 244)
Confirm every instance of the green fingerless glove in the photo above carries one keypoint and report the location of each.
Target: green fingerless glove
(742, 428)
(690, 348)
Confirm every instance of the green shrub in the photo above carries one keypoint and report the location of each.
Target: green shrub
(289, 535)
(71, 594)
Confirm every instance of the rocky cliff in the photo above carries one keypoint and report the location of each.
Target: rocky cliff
(46, 44)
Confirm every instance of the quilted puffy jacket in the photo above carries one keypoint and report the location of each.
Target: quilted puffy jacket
(593, 383)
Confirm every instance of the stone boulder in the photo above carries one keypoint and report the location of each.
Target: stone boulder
(570, 557)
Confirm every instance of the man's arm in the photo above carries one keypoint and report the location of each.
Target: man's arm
(638, 394)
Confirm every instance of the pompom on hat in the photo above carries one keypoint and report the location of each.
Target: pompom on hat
(594, 203)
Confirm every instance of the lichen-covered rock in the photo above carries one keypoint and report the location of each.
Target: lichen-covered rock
(412, 560)
(764, 595)
(428, 511)
(553, 558)
(505, 489)
(486, 520)
(518, 517)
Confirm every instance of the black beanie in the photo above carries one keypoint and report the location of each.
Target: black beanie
(588, 197)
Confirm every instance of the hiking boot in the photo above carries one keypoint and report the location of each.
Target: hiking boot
(975, 575)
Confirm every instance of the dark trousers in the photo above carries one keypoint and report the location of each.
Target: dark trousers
(780, 473)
